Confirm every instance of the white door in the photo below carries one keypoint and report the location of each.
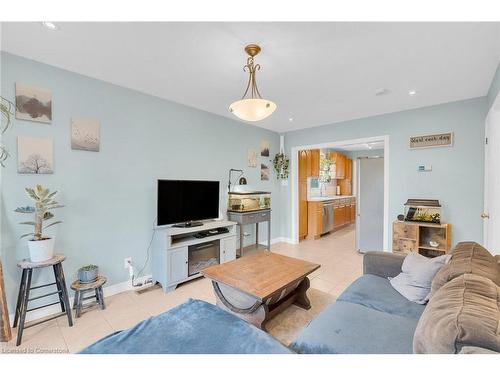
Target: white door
(177, 264)
(370, 207)
(491, 211)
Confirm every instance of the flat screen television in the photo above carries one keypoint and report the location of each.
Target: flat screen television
(184, 202)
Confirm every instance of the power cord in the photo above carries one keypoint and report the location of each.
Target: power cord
(147, 257)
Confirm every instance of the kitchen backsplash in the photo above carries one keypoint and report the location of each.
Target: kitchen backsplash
(314, 187)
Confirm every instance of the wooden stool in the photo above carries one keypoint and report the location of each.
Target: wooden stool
(81, 288)
(24, 292)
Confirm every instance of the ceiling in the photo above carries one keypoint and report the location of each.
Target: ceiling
(317, 73)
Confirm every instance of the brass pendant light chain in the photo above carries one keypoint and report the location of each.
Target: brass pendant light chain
(252, 83)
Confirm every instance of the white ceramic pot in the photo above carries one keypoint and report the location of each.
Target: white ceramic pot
(42, 250)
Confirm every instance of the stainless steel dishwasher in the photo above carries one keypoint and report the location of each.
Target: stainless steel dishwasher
(327, 217)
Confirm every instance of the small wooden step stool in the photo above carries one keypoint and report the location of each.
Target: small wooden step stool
(81, 288)
(25, 287)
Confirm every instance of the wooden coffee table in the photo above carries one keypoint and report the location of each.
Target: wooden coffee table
(257, 287)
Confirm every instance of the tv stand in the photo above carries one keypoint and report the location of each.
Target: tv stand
(172, 247)
(188, 224)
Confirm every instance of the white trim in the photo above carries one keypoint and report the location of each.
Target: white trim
(496, 103)
(112, 290)
(55, 309)
(294, 158)
(278, 240)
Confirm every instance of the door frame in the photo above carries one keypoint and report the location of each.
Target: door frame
(495, 107)
(294, 176)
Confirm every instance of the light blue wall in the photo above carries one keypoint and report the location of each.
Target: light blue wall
(494, 88)
(457, 175)
(110, 196)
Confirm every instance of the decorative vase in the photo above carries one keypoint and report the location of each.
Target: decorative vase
(41, 250)
(88, 275)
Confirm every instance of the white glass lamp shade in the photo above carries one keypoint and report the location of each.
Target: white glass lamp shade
(252, 109)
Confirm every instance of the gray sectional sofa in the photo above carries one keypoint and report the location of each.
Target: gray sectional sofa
(462, 316)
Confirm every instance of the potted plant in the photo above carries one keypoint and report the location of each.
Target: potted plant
(41, 247)
(88, 273)
(281, 164)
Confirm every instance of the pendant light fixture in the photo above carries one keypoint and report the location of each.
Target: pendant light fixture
(253, 107)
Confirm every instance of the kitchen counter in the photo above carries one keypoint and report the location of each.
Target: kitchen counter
(330, 198)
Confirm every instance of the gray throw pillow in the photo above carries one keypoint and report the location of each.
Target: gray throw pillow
(414, 282)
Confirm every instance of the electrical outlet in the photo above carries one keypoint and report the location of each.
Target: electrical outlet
(127, 262)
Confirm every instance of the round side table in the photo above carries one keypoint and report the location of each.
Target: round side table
(82, 288)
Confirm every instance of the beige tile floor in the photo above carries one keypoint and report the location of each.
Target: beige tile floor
(340, 265)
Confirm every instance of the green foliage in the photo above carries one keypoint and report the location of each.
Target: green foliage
(324, 169)
(6, 116)
(44, 203)
(89, 267)
(281, 164)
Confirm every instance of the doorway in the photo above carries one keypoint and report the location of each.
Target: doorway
(491, 212)
(313, 196)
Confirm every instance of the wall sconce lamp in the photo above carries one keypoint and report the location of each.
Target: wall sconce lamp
(241, 180)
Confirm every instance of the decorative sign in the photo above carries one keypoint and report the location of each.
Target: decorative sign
(431, 140)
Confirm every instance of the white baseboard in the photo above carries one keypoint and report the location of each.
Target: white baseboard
(55, 309)
(277, 240)
(112, 290)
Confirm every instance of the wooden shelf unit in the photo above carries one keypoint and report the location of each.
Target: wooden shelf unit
(408, 236)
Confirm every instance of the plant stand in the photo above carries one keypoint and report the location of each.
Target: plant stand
(81, 288)
(25, 287)
(5, 331)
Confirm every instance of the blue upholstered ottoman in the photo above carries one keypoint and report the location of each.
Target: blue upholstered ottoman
(195, 327)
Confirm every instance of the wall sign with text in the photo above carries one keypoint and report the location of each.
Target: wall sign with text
(431, 140)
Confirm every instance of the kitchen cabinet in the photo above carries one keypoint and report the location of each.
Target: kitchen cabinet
(303, 164)
(338, 216)
(314, 220)
(314, 172)
(346, 183)
(340, 161)
(348, 169)
(353, 212)
(308, 167)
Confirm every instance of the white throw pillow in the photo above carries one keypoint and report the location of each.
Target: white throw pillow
(414, 282)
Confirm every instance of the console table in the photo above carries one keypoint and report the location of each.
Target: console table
(173, 249)
(252, 217)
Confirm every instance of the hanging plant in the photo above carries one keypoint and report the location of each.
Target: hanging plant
(281, 164)
(6, 113)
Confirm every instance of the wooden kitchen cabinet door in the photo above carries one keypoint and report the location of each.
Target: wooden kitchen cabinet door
(314, 220)
(348, 169)
(347, 214)
(302, 164)
(341, 167)
(314, 163)
(339, 160)
(338, 216)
